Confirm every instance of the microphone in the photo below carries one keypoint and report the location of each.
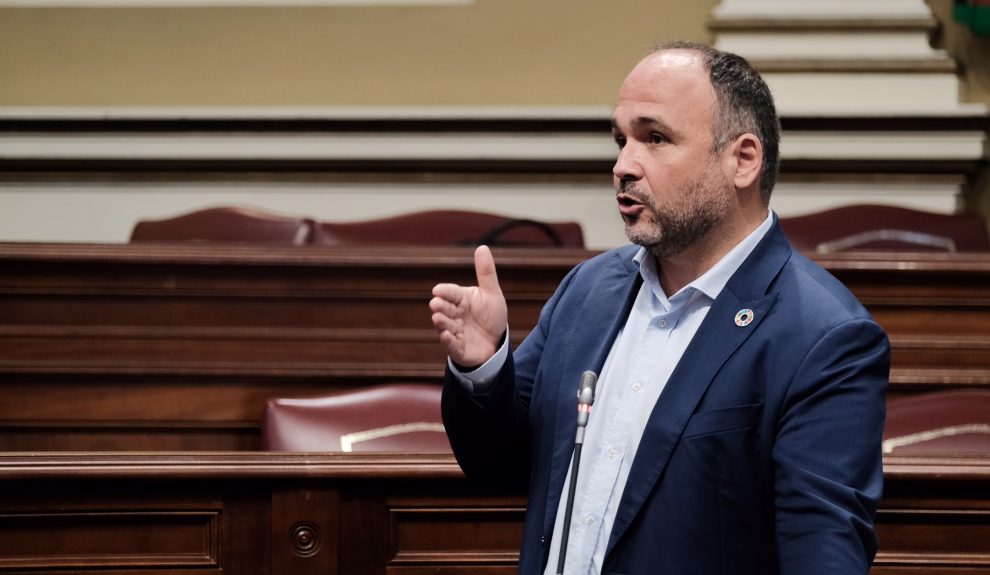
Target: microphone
(586, 398)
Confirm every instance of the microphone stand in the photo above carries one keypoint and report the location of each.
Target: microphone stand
(586, 397)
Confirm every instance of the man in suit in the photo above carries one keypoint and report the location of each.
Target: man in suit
(740, 399)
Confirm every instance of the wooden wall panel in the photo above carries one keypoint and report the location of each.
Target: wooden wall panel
(372, 514)
(305, 530)
(177, 347)
(67, 541)
(934, 517)
(945, 540)
(427, 535)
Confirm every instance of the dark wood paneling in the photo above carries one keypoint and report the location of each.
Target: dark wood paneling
(935, 517)
(427, 535)
(946, 539)
(935, 308)
(136, 539)
(177, 347)
(371, 514)
(305, 530)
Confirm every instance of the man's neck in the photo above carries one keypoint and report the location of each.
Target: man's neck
(683, 268)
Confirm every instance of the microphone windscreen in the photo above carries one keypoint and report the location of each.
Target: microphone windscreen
(588, 381)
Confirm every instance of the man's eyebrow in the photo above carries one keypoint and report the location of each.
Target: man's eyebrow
(647, 121)
(650, 121)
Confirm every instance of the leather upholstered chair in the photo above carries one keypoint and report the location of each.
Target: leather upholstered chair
(939, 422)
(227, 224)
(388, 417)
(889, 228)
(452, 227)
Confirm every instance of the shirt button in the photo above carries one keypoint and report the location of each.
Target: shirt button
(637, 386)
(613, 452)
(662, 323)
(589, 519)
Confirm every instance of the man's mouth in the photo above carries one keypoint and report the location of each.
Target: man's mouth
(629, 206)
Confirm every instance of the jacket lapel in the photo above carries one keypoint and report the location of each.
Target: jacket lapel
(600, 316)
(716, 340)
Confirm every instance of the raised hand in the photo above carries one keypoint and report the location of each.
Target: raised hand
(471, 320)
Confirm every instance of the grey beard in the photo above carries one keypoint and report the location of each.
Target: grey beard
(672, 237)
(683, 224)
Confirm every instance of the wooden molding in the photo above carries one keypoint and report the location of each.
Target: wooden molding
(213, 465)
(321, 513)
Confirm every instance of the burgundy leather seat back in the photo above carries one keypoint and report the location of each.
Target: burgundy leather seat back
(941, 422)
(392, 417)
(890, 228)
(227, 224)
(452, 227)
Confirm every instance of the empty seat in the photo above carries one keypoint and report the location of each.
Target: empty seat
(227, 224)
(389, 417)
(452, 227)
(940, 422)
(891, 228)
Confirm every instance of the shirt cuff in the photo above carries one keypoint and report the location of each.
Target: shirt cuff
(479, 381)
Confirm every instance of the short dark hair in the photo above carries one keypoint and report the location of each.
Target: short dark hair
(743, 104)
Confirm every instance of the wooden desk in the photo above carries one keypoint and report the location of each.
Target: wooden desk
(292, 514)
(177, 347)
(369, 514)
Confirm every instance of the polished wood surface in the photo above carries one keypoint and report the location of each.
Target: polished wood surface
(934, 517)
(292, 514)
(177, 347)
(300, 514)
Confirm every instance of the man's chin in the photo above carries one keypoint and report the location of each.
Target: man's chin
(641, 235)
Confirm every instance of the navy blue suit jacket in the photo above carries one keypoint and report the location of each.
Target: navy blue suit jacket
(762, 454)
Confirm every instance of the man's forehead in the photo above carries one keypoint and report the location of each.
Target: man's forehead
(674, 57)
(675, 76)
(668, 66)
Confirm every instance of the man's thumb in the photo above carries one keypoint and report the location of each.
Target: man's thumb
(484, 268)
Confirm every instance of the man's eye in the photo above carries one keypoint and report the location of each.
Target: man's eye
(620, 141)
(657, 138)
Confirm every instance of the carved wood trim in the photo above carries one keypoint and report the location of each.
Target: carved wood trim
(416, 532)
(901, 532)
(936, 468)
(401, 257)
(225, 369)
(217, 465)
(88, 539)
(267, 501)
(283, 465)
(939, 378)
(404, 257)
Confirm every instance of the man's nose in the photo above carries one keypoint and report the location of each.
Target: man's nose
(627, 165)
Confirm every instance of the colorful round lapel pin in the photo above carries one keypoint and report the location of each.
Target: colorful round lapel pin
(744, 317)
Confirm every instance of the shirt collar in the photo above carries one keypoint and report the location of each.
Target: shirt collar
(712, 281)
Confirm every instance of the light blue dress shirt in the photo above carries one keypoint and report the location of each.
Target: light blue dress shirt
(644, 354)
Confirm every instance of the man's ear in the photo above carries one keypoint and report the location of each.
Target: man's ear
(748, 154)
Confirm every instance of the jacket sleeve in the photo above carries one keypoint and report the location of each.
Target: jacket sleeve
(827, 453)
(489, 432)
